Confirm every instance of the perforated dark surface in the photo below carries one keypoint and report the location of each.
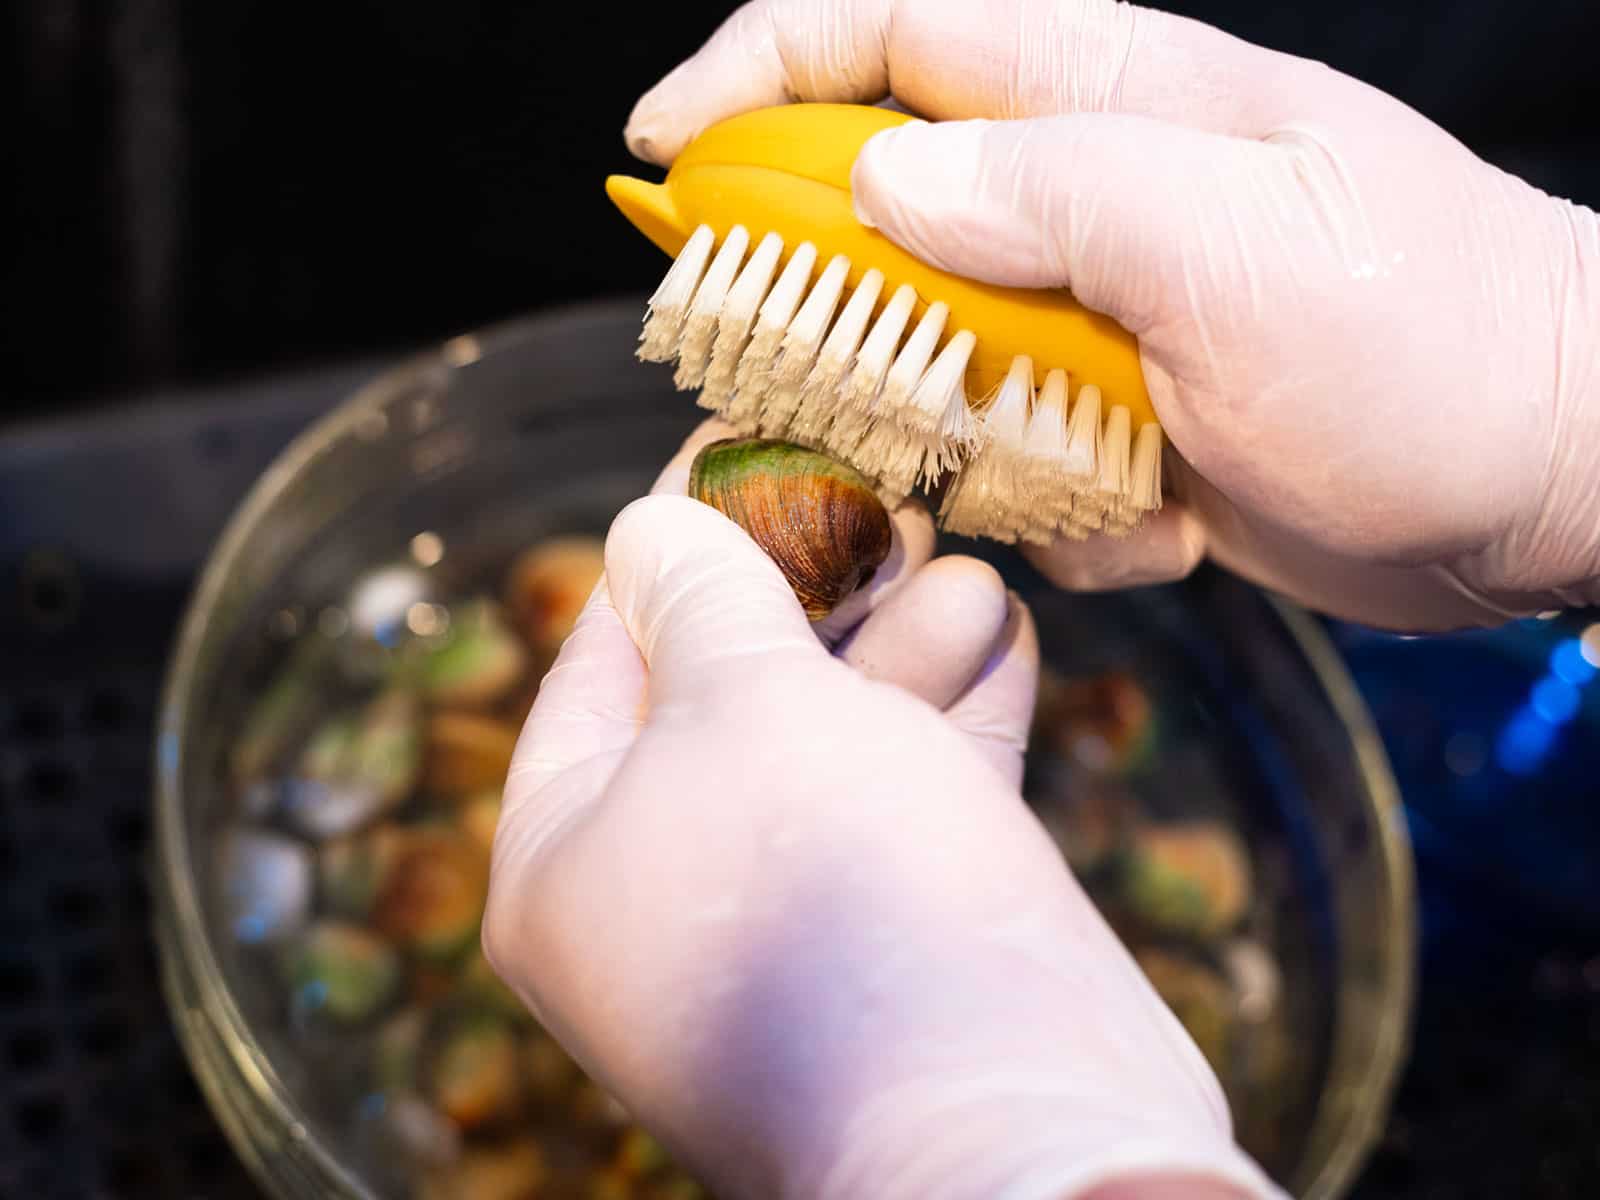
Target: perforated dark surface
(103, 526)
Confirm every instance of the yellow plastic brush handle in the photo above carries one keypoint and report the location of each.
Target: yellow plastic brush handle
(786, 170)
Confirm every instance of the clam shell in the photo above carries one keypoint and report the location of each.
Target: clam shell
(818, 519)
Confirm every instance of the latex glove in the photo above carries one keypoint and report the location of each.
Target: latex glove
(1376, 353)
(800, 921)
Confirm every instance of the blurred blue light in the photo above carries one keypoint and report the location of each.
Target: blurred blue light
(1567, 662)
(1523, 743)
(1555, 700)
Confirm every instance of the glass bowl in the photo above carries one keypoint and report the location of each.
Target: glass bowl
(1201, 706)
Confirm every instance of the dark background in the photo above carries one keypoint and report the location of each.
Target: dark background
(202, 189)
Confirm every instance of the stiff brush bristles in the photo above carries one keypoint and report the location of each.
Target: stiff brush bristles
(800, 346)
(663, 323)
(737, 316)
(780, 350)
(823, 390)
(705, 310)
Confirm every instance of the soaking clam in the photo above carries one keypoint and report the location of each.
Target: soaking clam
(433, 895)
(357, 767)
(514, 1170)
(1188, 879)
(476, 661)
(467, 754)
(279, 718)
(548, 586)
(479, 817)
(1103, 723)
(340, 971)
(480, 988)
(474, 1075)
(266, 885)
(818, 519)
(548, 1070)
(1197, 995)
(351, 870)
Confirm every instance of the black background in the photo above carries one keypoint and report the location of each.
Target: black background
(203, 189)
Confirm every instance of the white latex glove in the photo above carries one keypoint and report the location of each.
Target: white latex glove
(1376, 353)
(791, 909)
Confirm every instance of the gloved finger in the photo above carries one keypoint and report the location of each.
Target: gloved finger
(910, 525)
(588, 711)
(935, 634)
(952, 60)
(1140, 219)
(996, 710)
(1168, 546)
(702, 602)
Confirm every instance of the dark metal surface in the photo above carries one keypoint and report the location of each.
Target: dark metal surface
(106, 519)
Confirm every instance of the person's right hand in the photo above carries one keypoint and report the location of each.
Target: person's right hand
(1377, 355)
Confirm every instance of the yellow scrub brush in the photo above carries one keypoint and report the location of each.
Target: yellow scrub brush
(826, 333)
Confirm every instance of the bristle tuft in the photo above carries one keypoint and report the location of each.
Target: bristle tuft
(737, 316)
(754, 374)
(663, 322)
(822, 393)
(800, 346)
(700, 326)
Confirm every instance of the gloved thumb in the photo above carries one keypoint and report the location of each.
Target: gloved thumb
(699, 598)
(1111, 206)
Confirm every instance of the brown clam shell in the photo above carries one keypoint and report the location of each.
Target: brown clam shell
(818, 519)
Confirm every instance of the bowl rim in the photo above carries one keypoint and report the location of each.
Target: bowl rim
(217, 1039)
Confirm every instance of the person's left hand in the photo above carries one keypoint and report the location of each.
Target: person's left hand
(789, 906)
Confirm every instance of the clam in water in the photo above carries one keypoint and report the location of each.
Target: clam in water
(368, 791)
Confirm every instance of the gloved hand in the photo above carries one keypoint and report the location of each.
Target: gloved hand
(1376, 354)
(790, 908)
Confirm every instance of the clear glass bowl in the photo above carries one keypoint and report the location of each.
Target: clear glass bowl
(547, 426)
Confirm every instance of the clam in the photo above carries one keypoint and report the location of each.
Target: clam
(1189, 879)
(467, 754)
(638, 1154)
(351, 870)
(357, 767)
(476, 662)
(547, 587)
(1198, 996)
(417, 1132)
(819, 520)
(397, 1050)
(1103, 723)
(266, 881)
(480, 988)
(549, 1071)
(479, 817)
(432, 897)
(474, 1074)
(513, 1170)
(340, 971)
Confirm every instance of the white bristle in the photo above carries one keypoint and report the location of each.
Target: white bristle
(772, 322)
(939, 407)
(1082, 460)
(700, 326)
(738, 315)
(821, 393)
(866, 375)
(800, 346)
(1043, 481)
(1144, 479)
(983, 499)
(663, 322)
(1145, 485)
(1111, 483)
(914, 357)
